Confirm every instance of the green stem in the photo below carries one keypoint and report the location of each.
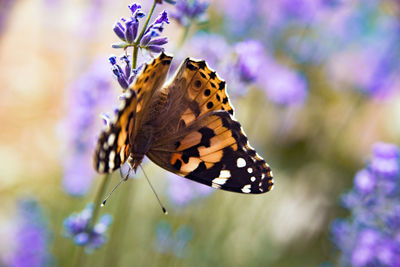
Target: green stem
(99, 199)
(136, 44)
(183, 36)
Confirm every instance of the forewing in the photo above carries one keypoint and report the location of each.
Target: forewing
(195, 90)
(214, 150)
(114, 143)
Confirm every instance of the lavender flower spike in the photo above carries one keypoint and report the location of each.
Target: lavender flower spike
(370, 237)
(149, 40)
(127, 29)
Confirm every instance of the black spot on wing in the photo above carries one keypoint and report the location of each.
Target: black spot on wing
(221, 85)
(206, 135)
(178, 164)
(202, 64)
(190, 66)
(185, 158)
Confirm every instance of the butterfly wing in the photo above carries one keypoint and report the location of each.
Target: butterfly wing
(208, 146)
(114, 144)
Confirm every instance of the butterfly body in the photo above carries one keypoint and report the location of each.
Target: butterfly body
(186, 126)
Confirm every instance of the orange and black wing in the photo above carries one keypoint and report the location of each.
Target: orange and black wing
(209, 146)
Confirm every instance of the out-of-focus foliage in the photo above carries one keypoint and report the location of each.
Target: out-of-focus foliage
(314, 84)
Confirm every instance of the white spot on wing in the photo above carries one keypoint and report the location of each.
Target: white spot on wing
(249, 170)
(246, 188)
(111, 139)
(262, 176)
(112, 155)
(225, 174)
(252, 178)
(240, 162)
(111, 164)
(122, 104)
(219, 181)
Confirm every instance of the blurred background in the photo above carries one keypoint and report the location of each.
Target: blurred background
(314, 83)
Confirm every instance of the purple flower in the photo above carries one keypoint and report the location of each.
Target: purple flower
(190, 10)
(250, 59)
(370, 237)
(32, 237)
(181, 191)
(151, 40)
(124, 75)
(368, 46)
(364, 181)
(283, 85)
(76, 226)
(385, 160)
(89, 94)
(127, 29)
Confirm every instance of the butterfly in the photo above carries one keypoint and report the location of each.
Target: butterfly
(186, 126)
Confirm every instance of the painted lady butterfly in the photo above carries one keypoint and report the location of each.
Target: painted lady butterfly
(186, 126)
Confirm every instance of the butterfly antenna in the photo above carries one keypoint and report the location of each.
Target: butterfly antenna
(123, 179)
(154, 191)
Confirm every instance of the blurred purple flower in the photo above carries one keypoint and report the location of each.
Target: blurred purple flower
(190, 10)
(370, 237)
(367, 42)
(283, 85)
(168, 241)
(385, 160)
(250, 57)
(364, 181)
(89, 94)
(181, 191)
(76, 226)
(32, 237)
